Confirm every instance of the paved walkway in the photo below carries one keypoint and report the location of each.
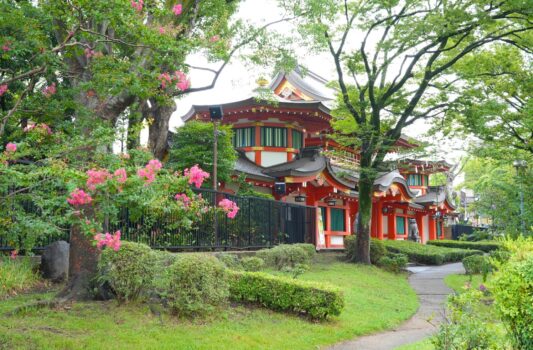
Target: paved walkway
(428, 283)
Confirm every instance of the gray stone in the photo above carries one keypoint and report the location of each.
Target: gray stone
(54, 261)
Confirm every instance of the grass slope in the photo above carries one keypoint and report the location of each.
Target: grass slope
(375, 300)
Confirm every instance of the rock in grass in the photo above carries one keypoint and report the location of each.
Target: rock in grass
(54, 261)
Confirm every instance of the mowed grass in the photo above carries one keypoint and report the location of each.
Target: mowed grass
(375, 300)
(459, 282)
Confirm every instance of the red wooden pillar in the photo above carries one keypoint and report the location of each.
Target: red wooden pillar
(392, 225)
(257, 144)
(379, 220)
(420, 224)
(432, 228)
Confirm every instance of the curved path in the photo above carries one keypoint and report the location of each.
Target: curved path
(428, 283)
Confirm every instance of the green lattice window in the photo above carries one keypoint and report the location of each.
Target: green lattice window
(414, 180)
(244, 137)
(297, 139)
(273, 137)
(400, 225)
(439, 228)
(337, 219)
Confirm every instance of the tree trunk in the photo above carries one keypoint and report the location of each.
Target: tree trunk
(83, 260)
(158, 116)
(362, 242)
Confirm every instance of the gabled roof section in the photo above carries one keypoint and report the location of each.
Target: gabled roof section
(301, 84)
(435, 196)
(385, 181)
(310, 162)
(246, 166)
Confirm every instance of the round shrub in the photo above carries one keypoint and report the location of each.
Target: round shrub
(377, 249)
(197, 284)
(231, 261)
(284, 256)
(476, 264)
(252, 263)
(393, 262)
(128, 271)
(310, 249)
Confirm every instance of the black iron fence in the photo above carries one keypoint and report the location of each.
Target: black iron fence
(260, 223)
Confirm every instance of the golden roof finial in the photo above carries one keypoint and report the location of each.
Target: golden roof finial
(262, 82)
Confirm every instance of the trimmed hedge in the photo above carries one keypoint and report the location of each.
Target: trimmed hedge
(318, 301)
(486, 246)
(429, 254)
(285, 256)
(377, 249)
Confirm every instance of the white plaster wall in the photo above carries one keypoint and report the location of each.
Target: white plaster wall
(337, 240)
(273, 158)
(250, 155)
(385, 224)
(425, 224)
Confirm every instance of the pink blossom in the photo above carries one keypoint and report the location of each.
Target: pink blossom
(89, 53)
(41, 126)
(161, 30)
(229, 207)
(182, 197)
(149, 171)
(96, 177)
(6, 47)
(196, 175)
(183, 82)
(11, 147)
(14, 254)
(164, 78)
(137, 5)
(177, 9)
(121, 175)
(3, 89)
(79, 197)
(214, 38)
(50, 90)
(112, 241)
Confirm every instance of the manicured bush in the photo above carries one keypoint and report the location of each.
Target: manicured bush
(231, 261)
(309, 248)
(252, 263)
(197, 284)
(128, 271)
(16, 275)
(284, 256)
(318, 301)
(428, 254)
(477, 264)
(393, 262)
(485, 246)
(377, 249)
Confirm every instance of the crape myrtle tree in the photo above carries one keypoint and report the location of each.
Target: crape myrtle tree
(70, 69)
(393, 60)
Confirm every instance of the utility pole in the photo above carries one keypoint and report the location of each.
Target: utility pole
(216, 115)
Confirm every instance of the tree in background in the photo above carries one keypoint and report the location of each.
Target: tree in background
(393, 62)
(193, 144)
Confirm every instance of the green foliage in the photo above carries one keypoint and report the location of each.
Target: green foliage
(318, 301)
(193, 144)
(285, 256)
(16, 275)
(197, 284)
(486, 246)
(512, 288)
(231, 261)
(309, 248)
(252, 263)
(129, 271)
(377, 249)
(428, 254)
(465, 329)
(393, 262)
(477, 264)
(246, 189)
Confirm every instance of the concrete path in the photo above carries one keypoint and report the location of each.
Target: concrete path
(428, 283)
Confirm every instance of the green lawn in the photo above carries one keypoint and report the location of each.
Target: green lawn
(375, 300)
(459, 282)
(420, 345)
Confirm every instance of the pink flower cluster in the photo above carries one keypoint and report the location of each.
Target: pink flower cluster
(42, 126)
(50, 90)
(112, 241)
(182, 82)
(196, 175)
(11, 147)
(137, 5)
(229, 207)
(214, 38)
(96, 177)
(177, 9)
(3, 89)
(89, 53)
(121, 175)
(14, 254)
(182, 197)
(6, 47)
(149, 171)
(79, 197)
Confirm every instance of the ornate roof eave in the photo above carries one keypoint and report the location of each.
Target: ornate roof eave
(385, 181)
